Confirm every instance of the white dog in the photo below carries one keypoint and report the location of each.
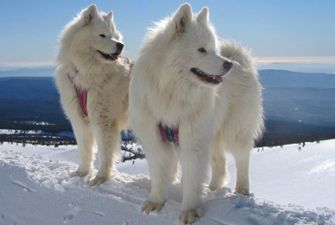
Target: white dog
(192, 98)
(93, 80)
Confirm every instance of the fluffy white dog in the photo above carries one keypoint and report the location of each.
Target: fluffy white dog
(193, 98)
(93, 80)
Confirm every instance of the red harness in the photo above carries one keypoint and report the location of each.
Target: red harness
(82, 92)
(169, 134)
(81, 96)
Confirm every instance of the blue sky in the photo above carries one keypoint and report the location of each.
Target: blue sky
(271, 28)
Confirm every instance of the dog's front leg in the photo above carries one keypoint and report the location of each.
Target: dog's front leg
(162, 162)
(107, 136)
(194, 162)
(161, 157)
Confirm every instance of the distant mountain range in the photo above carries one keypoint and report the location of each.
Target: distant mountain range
(298, 106)
(307, 98)
(282, 78)
(25, 100)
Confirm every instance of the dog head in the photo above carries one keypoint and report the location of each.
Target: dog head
(194, 51)
(96, 36)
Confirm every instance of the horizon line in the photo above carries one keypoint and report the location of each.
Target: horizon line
(294, 59)
(259, 60)
(27, 64)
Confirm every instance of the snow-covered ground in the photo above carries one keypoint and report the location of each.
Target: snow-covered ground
(290, 186)
(12, 131)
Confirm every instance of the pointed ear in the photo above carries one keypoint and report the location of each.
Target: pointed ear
(89, 14)
(109, 19)
(203, 16)
(109, 16)
(182, 17)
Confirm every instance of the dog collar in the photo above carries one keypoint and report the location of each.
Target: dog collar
(169, 134)
(81, 95)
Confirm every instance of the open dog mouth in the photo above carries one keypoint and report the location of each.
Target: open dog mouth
(112, 56)
(213, 79)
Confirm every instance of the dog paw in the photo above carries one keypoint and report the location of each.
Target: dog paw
(242, 191)
(214, 186)
(190, 216)
(149, 206)
(78, 173)
(97, 181)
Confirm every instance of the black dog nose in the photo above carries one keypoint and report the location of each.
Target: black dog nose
(119, 47)
(227, 65)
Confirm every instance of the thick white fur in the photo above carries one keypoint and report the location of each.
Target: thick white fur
(107, 83)
(212, 119)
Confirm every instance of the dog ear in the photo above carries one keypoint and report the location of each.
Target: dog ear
(109, 17)
(89, 14)
(110, 20)
(203, 16)
(182, 17)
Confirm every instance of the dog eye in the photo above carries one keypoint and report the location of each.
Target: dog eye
(202, 50)
(102, 35)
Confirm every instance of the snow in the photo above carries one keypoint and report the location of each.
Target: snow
(12, 131)
(35, 189)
